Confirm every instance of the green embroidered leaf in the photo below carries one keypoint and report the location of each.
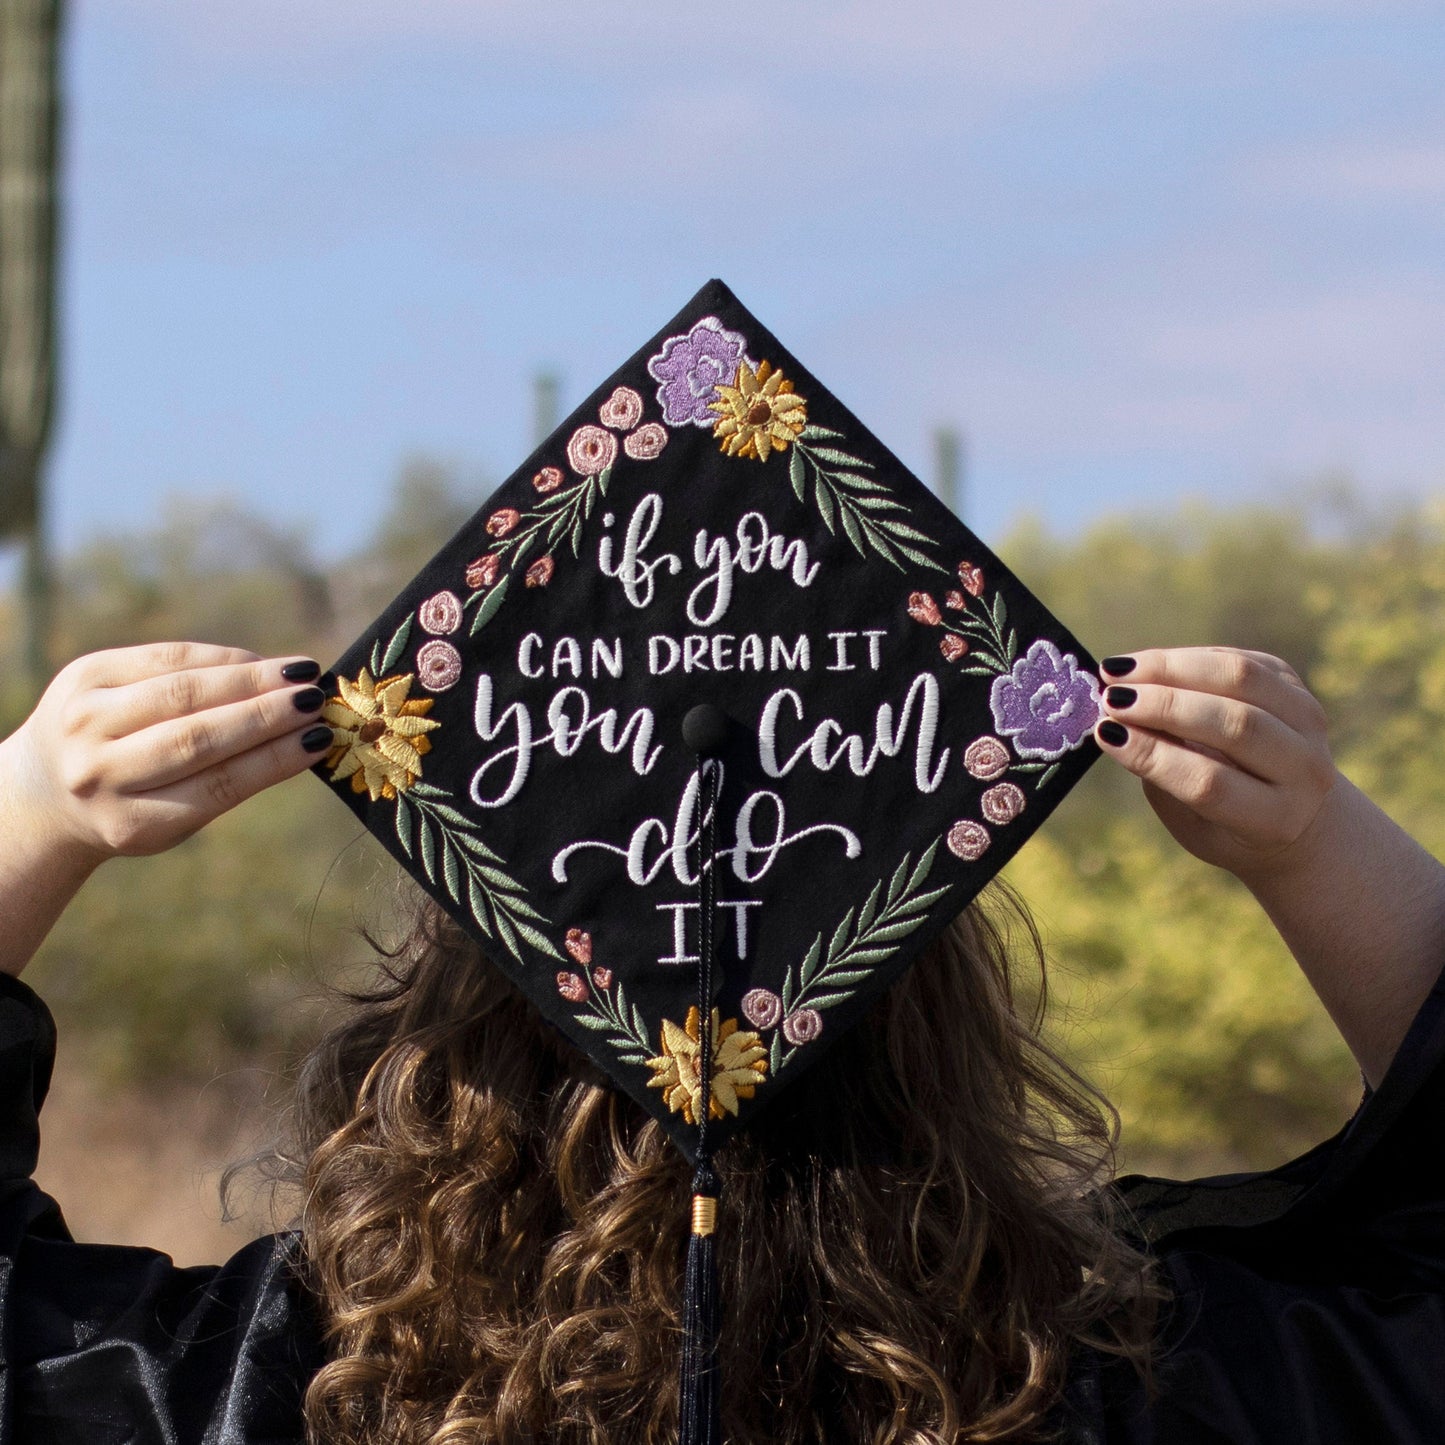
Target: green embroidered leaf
(1013, 644)
(906, 529)
(445, 810)
(837, 977)
(841, 459)
(591, 1021)
(397, 645)
(775, 1053)
(839, 934)
(539, 941)
(588, 505)
(921, 558)
(813, 431)
(576, 538)
(478, 901)
(796, 474)
(403, 825)
(810, 962)
(858, 486)
(925, 864)
(881, 544)
(787, 992)
(823, 496)
(892, 932)
(604, 480)
(428, 847)
(980, 671)
(869, 908)
(859, 956)
(875, 503)
(518, 905)
(523, 547)
(505, 933)
(827, 1000)
(895, 885)
(1048, 773)
(376, 658)
(631, 1056)
(1000, 612)
(851, 527)
(490, 604)
(450, 871)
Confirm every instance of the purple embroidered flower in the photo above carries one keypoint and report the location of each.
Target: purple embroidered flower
(968, 840)
(440, 614)
(802, 1026)
(762, 1008)
(438, 665)
(691, 367)
(1046, 705)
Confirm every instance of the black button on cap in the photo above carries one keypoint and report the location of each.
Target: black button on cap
(704, 729)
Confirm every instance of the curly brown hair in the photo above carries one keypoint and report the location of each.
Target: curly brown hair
(912, 1238)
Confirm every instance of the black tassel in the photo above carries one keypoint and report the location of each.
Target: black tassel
(699, 1395)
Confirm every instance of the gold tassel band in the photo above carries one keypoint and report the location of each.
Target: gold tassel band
(704, 1213)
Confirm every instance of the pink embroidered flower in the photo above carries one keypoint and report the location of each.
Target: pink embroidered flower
(986, 758)
(602, 977)
(968, 840)
(1002, 803)
(502, 522)
(955, 599)
(539, 574)
(972, 578)
(438, 665)
(482, 571)
(548, 479)
(762, 1008)
(646, 442)
(591, 450)
(922, 608)
(952, 647)
(579, 944)
(622, 410)
(802, 1026)
(572, 986)
(440, 614)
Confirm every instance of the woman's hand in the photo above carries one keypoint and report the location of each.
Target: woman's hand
(1231, 749)
(132, 750)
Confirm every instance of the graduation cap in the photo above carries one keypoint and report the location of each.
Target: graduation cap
(704, 726)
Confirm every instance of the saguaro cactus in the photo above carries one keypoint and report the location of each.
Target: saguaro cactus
(29, 120)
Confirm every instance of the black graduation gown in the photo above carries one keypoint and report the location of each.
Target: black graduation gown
(1309, 1301)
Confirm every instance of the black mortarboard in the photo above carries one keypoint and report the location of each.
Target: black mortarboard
(711, 617)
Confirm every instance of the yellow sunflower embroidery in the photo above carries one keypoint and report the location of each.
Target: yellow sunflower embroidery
(759, 413)
(739, 1065)
(380, 734)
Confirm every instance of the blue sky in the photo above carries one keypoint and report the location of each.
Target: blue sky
(1135, 251)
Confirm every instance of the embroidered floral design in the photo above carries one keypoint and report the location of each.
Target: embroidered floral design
(483, 571)
(503, 521)
(972, 578)
(579, 944)
(863, 939)
(539, 574)
(548, 480)
(602, 977)
(739, 1065)
(690, 368)
(438, 665)
(952, 647)
(1045, 704)
(591, 450)
(440, 614)
(955, 600)
(968, 840)
(572, 986)
(646, 442)
(759, 413)
(986, 758)
(431, 831)
(1002, 803)
(380, 734)
(802, 1026)
(922, 608)
(622, 410)
(762, 1008)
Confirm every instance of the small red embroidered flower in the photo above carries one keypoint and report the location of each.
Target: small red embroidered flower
(548, 479)
(440, 614)
(922, 608)
(482, 571)
(1002, 803)
(968, 840)
(502, 522)
(955, 599)
(539, 574)
(972, 578)
(986, 758)
(622, 410)
(579, 944)
(572, 986)
(602, 977)
(802, 1026)
(762, 1008)
(953, 647)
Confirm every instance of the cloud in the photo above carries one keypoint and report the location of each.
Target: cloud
(1355, 173)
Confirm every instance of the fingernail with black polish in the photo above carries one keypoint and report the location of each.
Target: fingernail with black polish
(1120, 697)
(304, 671)
(1115, 734)
(318, 739)
(1118, 666)
(309, 699)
